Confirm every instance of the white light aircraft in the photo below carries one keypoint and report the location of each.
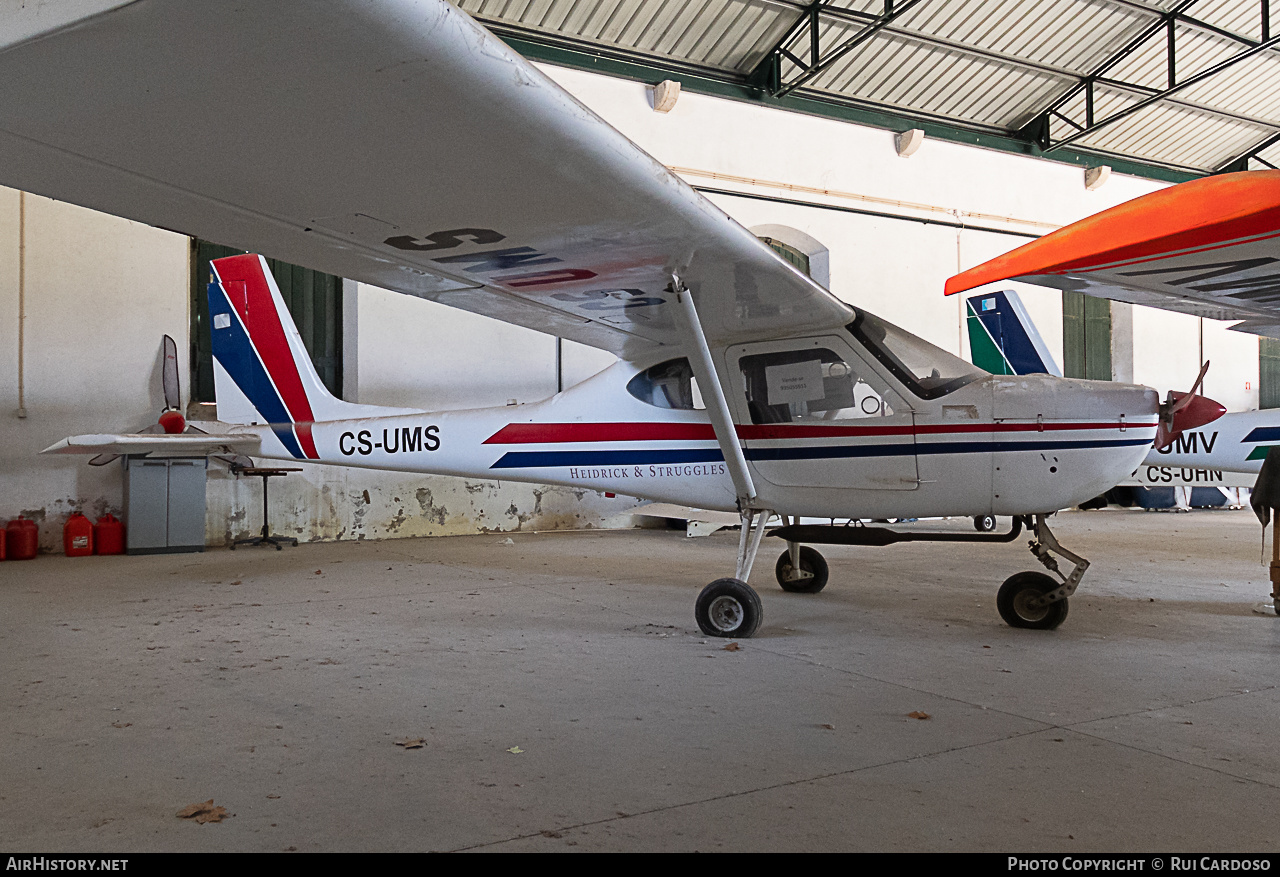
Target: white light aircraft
(400, 144)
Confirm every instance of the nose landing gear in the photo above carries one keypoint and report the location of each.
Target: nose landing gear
(801, 569)
(1033, 600)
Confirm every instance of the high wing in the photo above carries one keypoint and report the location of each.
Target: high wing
(198, 445)
(1210, 248)
(394, 142)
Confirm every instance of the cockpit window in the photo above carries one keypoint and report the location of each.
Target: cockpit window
(807, 385)
(668, 384)
(929, 372)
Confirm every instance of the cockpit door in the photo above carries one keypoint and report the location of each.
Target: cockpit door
(815, 414)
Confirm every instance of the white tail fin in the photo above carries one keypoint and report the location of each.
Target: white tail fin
(262, 371)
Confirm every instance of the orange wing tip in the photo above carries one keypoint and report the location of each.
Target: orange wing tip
(1187, 216)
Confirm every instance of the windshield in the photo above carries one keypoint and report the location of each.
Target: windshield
(668, 384)
(927, 371)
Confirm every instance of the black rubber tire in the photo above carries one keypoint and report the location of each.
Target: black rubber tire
(1017, 589)
(729, 608)
(811, 561)
(984, 523)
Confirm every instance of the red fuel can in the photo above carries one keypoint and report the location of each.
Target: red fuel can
(77, 536)
(22, 538)
(108, 535)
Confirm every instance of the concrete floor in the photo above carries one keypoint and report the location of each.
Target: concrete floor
(276, 683)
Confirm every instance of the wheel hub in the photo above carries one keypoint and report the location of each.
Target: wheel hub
(1030, 605)
(725, 613)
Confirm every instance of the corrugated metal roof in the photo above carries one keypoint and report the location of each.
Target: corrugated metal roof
(729, 35)
(1043, 70)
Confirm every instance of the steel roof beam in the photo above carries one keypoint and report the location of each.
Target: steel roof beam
(767, 67)
(1161, 21)
(1155, 98)
(818, 64)
(1064, 73)
(1241, 162)
(1038, 67)
(1201, 24)
(503, 28)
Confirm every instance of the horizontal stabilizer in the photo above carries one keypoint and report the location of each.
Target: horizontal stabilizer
(189, 445)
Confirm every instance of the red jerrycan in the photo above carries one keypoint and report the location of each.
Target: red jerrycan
(77, 536)
(22, 539)
(108, 535)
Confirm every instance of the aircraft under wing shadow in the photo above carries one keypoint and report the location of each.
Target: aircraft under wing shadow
(1210, 248)
(394, 143)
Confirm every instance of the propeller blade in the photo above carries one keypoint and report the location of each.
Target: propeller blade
(104, 459)
(1195, 389)
(172, 389)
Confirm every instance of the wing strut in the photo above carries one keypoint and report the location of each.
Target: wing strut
(713, 394)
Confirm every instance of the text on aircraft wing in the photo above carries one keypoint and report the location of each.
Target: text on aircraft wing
(198, 445)
(396, 143)
(1210, 247)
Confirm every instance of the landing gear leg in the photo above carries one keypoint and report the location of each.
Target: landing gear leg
(731, 607)
(1034, 600)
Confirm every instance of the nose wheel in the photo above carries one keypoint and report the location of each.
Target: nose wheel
(1021, 603)
(801, 570)
(1033, 600)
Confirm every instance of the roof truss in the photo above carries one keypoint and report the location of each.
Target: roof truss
(823, 40)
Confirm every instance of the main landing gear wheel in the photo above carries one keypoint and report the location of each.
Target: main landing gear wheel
(984, 523)
(811, 562)
(728, 608)
(1017, 595)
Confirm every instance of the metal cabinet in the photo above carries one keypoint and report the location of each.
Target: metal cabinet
(164, 504)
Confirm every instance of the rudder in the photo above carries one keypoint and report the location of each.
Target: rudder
(1002, 338)
(262, 371)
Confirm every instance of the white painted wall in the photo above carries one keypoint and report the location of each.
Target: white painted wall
(100, 292)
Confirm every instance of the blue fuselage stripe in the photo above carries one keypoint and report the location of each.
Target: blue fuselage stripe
(639, 456)
(1262, 434)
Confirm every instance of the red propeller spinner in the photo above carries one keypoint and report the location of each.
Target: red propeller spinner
(1183, 411)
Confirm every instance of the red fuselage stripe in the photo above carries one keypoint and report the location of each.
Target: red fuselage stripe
(560, 433)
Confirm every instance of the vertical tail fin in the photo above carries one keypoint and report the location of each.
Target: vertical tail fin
(262, 371)
(1002, 338)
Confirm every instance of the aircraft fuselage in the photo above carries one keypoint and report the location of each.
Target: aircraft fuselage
(996, 445)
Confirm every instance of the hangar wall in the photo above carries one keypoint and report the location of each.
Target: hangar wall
(98, 292)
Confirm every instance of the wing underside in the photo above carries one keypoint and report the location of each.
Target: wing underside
(1210, 248)
(396, 143)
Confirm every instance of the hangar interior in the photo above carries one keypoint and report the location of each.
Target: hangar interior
(809, 161)
(881, 145)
